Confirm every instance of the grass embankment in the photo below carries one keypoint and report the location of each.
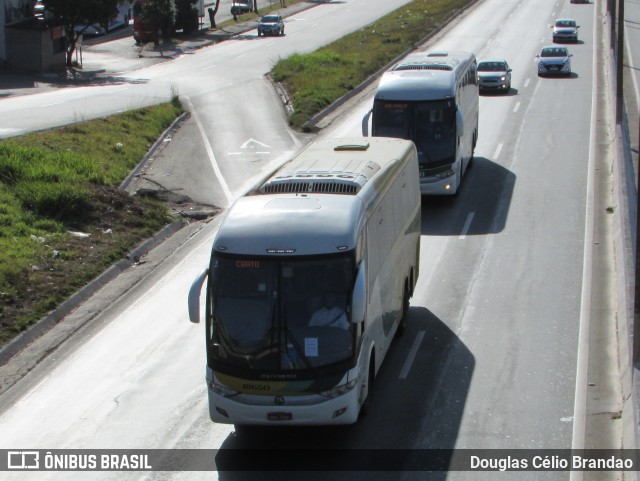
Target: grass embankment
(63, 180)
(316, 80)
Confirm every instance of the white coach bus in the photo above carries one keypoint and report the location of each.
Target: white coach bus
(432, 99)
(309, 280)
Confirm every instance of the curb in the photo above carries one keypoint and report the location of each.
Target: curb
(153, 149)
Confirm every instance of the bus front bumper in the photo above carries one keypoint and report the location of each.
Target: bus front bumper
(435, 186)
(272, 410)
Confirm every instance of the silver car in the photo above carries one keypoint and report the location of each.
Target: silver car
(554, 60)
(565, 30)
(494, 75)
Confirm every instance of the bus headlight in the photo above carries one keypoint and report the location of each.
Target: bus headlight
(444, 175)
(339, 390)
(220, 390)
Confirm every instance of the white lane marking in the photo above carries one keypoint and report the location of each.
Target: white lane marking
(526, 83)
(517, 107)
(54, 103)
(497, 152)
(467, 224)
(412, 355)
(116, 90)
(209, 67)
(209, 150)
(578, 433)
(249, 144)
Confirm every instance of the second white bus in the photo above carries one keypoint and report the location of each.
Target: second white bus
(432, 99)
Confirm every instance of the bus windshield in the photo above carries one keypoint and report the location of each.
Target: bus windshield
(274, 315)
(430, 125)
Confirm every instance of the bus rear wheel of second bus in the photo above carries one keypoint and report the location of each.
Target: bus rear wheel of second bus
(402, 326)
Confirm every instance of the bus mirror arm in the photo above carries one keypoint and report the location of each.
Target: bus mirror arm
(194, 296)
(365, 124)
(359, 298)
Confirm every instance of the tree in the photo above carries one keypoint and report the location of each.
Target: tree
(77, 12)
(186, 15)
(212, 14)
(161, 14)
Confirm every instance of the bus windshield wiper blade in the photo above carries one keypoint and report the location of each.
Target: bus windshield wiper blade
(300, 351)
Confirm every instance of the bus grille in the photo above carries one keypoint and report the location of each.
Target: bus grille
(312, 186)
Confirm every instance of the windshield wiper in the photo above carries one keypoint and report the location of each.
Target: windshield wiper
(299, 350)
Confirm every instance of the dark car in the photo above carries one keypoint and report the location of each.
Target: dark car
(494, 75)
(271, 24)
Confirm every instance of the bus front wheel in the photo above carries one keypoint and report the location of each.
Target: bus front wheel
(366, 404)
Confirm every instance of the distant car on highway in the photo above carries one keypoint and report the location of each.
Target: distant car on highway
(554, 60)
(494, 75)
(565, 30)
(580, 1)
(271, 24)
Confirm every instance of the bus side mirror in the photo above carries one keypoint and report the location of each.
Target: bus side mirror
(459, 123)
(194, 296)
(359, 300)
(365, 124)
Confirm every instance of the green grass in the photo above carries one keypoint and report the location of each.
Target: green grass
(316, 80)
(66, 179)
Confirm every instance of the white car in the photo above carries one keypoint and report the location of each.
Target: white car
(494, 75)
(554, 60)
(565, 30)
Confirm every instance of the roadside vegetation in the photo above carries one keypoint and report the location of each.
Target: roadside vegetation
(63, 220)
(316, 80)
